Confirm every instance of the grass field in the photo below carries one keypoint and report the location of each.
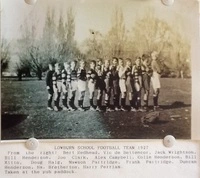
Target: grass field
(24, 115)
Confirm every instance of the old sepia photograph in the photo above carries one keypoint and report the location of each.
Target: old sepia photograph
(96, 69)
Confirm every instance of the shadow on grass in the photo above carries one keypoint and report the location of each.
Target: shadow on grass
(11, 120)
(159, 122)
(15, 79)
(176, 105)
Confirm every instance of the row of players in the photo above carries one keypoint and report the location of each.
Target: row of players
(119, 79)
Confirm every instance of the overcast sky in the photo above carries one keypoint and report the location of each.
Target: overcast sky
(96, 14)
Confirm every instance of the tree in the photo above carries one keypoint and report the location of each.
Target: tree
(58, 39)
(49, 44)
(151, 33)
(116, 37)
(29, 54)
(22, 68)
(5, 55)
(67, 47)
(94, 45)
(113, 43)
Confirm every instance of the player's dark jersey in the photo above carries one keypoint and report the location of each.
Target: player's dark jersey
(99, 74)
(128, 73)
(73, 75)
(107, 77)
(65, 76)
(147, 70)
(82, 74)
(49, 78)
(114, 73)
(137, 72)
(92, 75)
(100, 81)
(106, 73)
(57, 76)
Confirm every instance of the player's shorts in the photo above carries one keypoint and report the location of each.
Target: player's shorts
(100, 84)
(73, 85)
(116, 89)
(81, 85)
(91, 86)
(122, 85)
(130, 85)
(59, 87)
(155, 79)
(108, 85)
(146, 79)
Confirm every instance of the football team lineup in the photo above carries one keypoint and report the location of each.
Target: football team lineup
(118, 78)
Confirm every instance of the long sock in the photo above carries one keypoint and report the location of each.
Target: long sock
(58, 100)
(100, 100)
(99, 103)
(154, 100)
(55, 103)
(73, 98)
(123, 102)
(71, 102)
(64, 102)
(138, 102)
(157, 100)
(134, 101)
(131, 103)
(49, 103)
(91, 103)
(116, 101)
(107, 103)
(146, 103)
(79, 103)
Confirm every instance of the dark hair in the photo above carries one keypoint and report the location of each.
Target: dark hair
(138, 57)
(93, 61)
(75, 61)
(145, 56)
(99, 59)
(115, 58)
(51, 64)
(128, 59)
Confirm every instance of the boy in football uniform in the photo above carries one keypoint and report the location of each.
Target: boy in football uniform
(146, 78)
(108, 84)
(49, 84)
(130, 83)
(72, 85)
(57, 85)
(65, 84)
(115, 83)
(92, 78)
(137, 74)
(155, 78)
(122, 83)
(82, 79)
(100, 85)
(99, 63)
